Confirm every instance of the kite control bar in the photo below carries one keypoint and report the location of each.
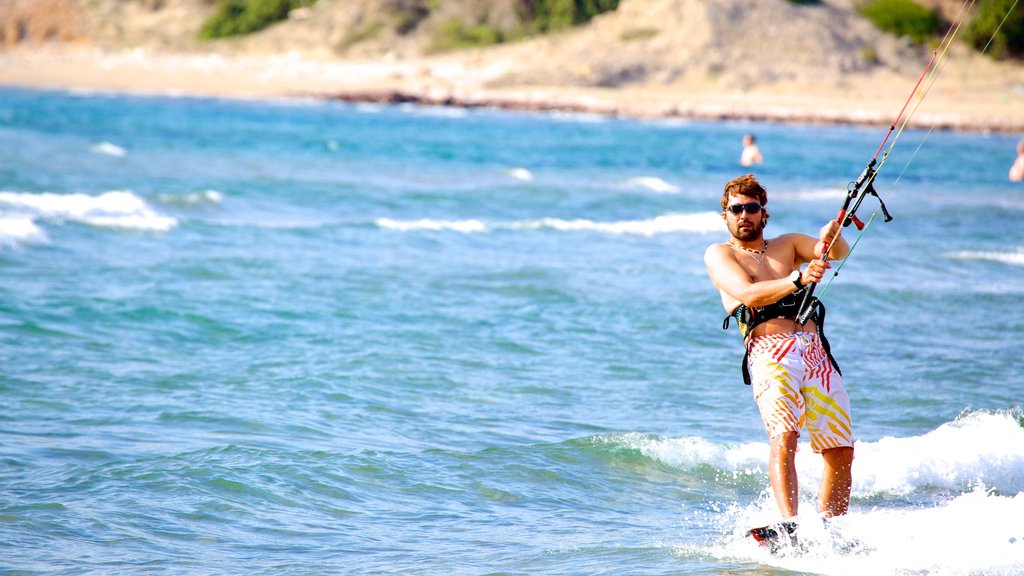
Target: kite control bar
(862, 187)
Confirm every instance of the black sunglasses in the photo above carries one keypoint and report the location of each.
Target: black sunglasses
(749, 207)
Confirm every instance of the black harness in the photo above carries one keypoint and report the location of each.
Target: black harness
(787, 307)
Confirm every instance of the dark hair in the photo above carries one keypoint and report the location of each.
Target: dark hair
(745, 185)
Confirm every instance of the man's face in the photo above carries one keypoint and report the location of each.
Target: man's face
(745, 226)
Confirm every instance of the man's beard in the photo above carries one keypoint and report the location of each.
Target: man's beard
(753, 232)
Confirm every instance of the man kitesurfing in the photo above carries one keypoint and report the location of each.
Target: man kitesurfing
(796, 382)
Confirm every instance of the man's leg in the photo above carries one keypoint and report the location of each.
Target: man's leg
(782, 473)
(836, 482)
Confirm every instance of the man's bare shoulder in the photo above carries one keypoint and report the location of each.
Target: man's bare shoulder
(790, 239)
(716, 251)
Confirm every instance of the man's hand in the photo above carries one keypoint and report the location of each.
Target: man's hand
(814, 271)
(827, 235)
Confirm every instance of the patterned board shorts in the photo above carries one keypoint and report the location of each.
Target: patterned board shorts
(795, 386)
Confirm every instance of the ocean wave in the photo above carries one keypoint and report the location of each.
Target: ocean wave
(653, 183)
(578, 117)
(977, 532)
(986, 447)
(978, 459)
(464, 226)
(108, 149)
(691, 452)
(521, 174)
(811, 195)
(114, 209)
(1015, 258)
(204, 197)
(450, 112)
(979, 447)
(272, 223)
(699, 223)
(20, 231)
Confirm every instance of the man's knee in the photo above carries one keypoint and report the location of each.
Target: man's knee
(841, 457)
(785, 443)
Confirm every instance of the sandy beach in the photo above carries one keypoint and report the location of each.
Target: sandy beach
(961, 98)
(647, 59)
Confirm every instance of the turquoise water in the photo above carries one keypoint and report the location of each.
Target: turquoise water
(317, 338)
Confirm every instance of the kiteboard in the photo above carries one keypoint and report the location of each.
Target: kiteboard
(781, 539)
(776, 537)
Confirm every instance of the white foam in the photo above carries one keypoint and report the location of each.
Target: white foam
(114, 209)
(579, 117)
(1015, 258)
(979, 447)
(521, 174)
(654, 184)
(465, 226)
(109, 149)
(19, 231)
(368, 108)
(977, 532)
(971, 471)
(690, 452)
(700, 223)
(450, 112)
(811, 195)
(272, 223)
(193, 198)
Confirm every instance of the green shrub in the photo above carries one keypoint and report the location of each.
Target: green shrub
(902, 18)
(238, 17)
(454, 34)
(1009, 40)
(638, 34)
(552, 15)
(362, 33)
(536, 16)
(869, 54)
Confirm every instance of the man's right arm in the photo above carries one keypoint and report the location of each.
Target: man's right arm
(735, 283)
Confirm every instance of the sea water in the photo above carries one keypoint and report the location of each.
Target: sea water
(304, 337)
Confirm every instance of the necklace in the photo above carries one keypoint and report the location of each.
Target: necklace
(757, 255)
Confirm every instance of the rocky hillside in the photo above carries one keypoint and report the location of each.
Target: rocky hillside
(739, 42)
(713, 59)
(32, 21)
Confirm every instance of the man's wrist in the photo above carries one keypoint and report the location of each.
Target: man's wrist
(795, 277)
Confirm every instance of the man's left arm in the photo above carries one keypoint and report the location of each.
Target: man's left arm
(832, 232)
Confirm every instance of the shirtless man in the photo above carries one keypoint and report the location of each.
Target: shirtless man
(751, 154)
(795, 380)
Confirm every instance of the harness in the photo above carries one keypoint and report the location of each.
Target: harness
(748, 318)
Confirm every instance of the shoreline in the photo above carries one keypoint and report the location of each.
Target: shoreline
(460, 82)
(673, 111)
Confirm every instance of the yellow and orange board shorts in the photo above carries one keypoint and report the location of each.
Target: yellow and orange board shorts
(796, 386)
